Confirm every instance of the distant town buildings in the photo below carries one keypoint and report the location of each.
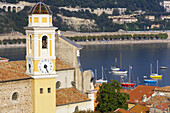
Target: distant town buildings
(164, 17)
(97, 11)
(123, 19)
(149, 17)
(166, 5)
(9, 7)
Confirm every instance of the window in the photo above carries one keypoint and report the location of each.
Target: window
(44, 42)
(76, 109)
(36, 20)
(15, 96)
(58, 84)
(44, 20)
(41, 90)
(30, 42)
(49, 90)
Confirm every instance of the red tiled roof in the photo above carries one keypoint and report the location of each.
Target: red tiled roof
(119, 110)
(60, 65)
(140, 109)
(137, 93)
(163, 106)
(125, 91)
(165, 89)
(15, 70)
(70, 95)
(157, 100)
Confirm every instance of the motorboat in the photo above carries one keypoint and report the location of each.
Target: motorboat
(163, 67)
(120, 71)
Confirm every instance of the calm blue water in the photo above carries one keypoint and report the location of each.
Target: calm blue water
(138, 56)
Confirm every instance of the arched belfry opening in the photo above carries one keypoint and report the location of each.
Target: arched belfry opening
(30, 42)
(44, 42)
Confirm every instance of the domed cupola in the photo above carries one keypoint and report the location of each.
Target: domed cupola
(40, 15)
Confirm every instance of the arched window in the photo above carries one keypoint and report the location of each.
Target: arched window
(44, 42)
(76, 109)
(58, 84)
(30, 42)
(15, 96)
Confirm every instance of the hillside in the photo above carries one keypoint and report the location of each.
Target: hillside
(146, 5)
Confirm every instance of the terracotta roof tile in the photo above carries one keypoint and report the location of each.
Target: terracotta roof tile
(15, 70)
(140, 109)
(163, 106)
(125, 91)
(119, 110)
(137, 93)
(157, 100)
(165, 89)
(60, 65)
(70, 95)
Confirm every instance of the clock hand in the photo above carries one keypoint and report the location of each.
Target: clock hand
(45, 66)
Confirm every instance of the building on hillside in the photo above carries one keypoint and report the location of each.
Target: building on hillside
(149, 17)
(123, 19)
(164, 17)
(140, 95)
(166, 5)
(163, 91)
(52, 69)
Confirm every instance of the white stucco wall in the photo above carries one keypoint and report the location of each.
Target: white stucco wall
(70, 108)
(65, 77)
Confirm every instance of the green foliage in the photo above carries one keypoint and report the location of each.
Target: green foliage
(110, 98)
(0, 42)
(115, 12)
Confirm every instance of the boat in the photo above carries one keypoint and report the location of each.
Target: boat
(150, 80)
(3, 59)
(129, 83)
(117, 70)
(100, 81)
(163, 67)
(155, 75)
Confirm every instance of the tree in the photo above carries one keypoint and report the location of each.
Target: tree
(115, 12)
(110, 98)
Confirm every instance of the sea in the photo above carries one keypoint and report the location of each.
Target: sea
(138, 56)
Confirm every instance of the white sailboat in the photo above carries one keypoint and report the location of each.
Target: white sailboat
(102, 79)
(155, 75)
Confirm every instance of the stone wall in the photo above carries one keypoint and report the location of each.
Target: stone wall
(16, 96)
(70, 108)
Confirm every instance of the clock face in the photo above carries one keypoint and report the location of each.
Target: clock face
(45, 66)
(29, 66)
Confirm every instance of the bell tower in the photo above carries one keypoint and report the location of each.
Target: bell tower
(40, 58)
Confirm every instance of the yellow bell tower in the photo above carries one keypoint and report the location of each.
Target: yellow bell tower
(40, 58)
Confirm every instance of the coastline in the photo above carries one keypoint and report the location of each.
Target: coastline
(13, 46)
(123, 42)
(100, 43)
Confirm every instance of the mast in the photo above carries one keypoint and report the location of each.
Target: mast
(102, 72)
(129, 74)
(95, 74)
(120, 60)
(115, 61)
(157, 66)
(151, 68)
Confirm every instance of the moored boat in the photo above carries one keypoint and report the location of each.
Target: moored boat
(3, 59)
(155, 75)
(150, 80)
(163, 67)
(129, 83)
(100, 81)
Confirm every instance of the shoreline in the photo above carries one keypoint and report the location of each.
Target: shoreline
(13, 46)
(123, 42)
(99, 43)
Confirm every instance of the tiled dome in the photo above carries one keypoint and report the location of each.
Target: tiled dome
(40, 8)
